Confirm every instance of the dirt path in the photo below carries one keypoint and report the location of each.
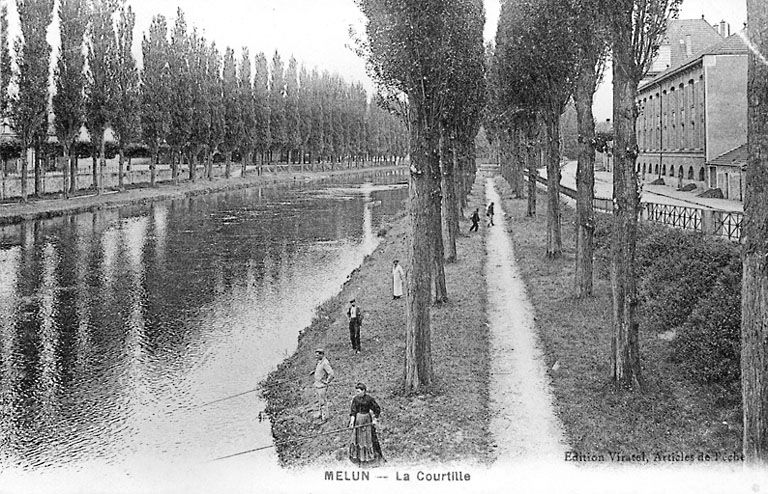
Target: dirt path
(523, 422)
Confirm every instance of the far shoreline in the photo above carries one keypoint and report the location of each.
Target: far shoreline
(37, 209)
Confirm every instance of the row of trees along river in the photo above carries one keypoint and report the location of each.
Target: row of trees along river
(430, 54)
(551, 50)
(189, 97)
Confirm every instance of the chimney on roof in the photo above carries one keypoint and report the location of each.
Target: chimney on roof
(722, 29)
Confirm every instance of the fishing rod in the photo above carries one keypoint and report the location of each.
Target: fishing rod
(276, 383)
(259, 388)
(297, 439)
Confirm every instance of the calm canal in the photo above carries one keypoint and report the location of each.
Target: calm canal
(117, 326)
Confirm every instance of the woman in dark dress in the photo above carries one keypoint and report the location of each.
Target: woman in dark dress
(364, 449)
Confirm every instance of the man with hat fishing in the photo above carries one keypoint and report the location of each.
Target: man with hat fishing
(323, 375)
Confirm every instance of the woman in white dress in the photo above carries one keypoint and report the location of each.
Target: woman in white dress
(398, 277)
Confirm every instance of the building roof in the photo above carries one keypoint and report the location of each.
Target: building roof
(702, 35)
(736, 157)
(732, 45)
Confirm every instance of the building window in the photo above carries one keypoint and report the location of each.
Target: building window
(701, 174)
(664, 170)
(643, 169)
(690, 173)
(680, 173)
(683, 140)
(656, 172)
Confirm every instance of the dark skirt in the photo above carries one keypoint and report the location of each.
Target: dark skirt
(364, 447)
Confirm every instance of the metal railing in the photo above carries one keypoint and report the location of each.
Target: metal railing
(728, 224)
(720, 223)
(686, 218)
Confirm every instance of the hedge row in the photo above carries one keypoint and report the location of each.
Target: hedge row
(689, 285)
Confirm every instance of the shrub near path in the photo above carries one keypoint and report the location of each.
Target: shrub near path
(450, 423)
(674, 413)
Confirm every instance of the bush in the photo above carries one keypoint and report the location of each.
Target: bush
(708, 345)
(677, 269)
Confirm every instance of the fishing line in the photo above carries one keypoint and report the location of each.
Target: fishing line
(298, 439)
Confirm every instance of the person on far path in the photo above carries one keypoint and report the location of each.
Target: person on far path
(364, 448)
(398, 277)
(355, 314)
(323, 375)
(489, 214)
(475, 220)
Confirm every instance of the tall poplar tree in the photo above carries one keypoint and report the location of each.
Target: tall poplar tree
(180, 101)
(200, 97)
(155, 90)
(407, 50)
(5, 59)
(29, 107)
(215, 86)
(636, 30)
(125, 120)
(70, 80)
(261, 105)
(754, 286)
(100, 88)
(591, 41)
(316, 140)
(277, 119)
(233, 122)
(292, 117)
(305, 111)
(247, 111)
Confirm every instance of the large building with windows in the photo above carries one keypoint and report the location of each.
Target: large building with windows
(693, 114)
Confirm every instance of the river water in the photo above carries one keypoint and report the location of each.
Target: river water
(117, 327)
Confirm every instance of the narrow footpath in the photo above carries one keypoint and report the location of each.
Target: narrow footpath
(523, 422)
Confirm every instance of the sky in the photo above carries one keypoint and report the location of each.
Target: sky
(317, 32)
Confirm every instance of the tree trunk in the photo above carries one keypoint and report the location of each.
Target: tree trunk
(24, 172)
(153, 167)
(418, 346)
(228, 165)
(95, 167)
(625, 347)
(73, 172)
(531, 153)
(102, 163)
(193, 165)
(38, 174)
(552, 156)
(518, 168)
(65, 172)
(177, 161)
(436, 200)
(450, 201)
(585, 179)
(458, 181)
(121, 157)
(754, 286)
(247, 156)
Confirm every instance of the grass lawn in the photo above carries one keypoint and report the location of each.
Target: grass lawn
(448, 424)
(673, 414)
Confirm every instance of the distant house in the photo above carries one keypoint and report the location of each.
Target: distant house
(695, 112)
(729, 171)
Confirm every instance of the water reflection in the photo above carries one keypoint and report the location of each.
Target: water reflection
(115, 326)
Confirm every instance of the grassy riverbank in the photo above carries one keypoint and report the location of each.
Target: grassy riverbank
(17, 212)
(673, 414)
(449, 424)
